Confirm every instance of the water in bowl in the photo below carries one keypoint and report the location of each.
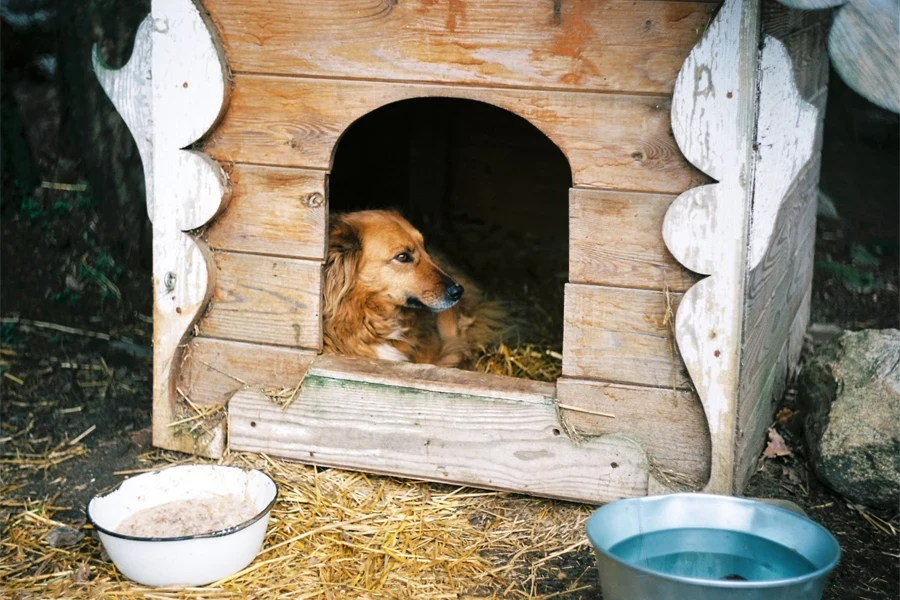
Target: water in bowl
(712, 554)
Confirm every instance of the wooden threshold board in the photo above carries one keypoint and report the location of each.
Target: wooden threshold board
(437, 424)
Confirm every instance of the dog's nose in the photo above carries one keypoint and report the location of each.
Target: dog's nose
(455, 292)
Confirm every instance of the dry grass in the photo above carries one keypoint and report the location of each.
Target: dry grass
(333, 534)
(539, 362)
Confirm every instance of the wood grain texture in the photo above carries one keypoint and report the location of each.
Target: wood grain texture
(611, 141)
(583, 44)
(777, 290)
(615, 239)
(214, 369)
(619, 335)
(397, 428)
(751, 436)
(765, 336)
(714, 111)
(865, 50)
(171, 92)
(669, 425)
(266, 300)
(795, 223)
(275, 211)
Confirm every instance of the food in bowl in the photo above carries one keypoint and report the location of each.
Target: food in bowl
(194, 516)
(187, 525)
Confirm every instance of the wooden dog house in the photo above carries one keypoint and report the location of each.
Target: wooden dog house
(692, 130)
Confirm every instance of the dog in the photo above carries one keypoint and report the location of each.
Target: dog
(386, 297)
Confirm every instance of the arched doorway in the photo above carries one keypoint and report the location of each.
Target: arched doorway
(486, 187)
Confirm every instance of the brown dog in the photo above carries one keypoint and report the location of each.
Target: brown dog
(386, 297)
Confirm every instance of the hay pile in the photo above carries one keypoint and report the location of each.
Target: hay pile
(527, 273)
(333, 535)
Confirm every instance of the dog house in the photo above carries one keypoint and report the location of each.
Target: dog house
(692, 131)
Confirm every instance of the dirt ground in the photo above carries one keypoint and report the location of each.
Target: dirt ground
(76, 338)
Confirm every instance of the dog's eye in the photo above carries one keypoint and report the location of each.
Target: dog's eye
(403, 257)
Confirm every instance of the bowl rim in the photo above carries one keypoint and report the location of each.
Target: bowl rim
(211, 534)
(821, 572)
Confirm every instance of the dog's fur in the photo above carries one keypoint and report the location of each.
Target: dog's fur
(386, 297)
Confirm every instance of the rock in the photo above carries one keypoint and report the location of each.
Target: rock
(849, 395)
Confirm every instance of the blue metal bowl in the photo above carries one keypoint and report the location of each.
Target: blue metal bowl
(707, 547)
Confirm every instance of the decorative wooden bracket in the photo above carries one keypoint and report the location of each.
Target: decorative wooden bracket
(737, 116)
(173, 91)
(864, 45)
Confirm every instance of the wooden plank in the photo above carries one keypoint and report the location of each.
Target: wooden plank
(669, 425)
(582, 44)
(276, 211)
(611, 141)
(619, 335)
(615, 239)
(213, 370)
(398, 428)
(427, 377)
(266, 300)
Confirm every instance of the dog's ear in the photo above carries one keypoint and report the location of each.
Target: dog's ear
(341, 264)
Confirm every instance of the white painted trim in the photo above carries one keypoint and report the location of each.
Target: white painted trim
(713, 113)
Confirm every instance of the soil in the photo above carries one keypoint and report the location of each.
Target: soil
(59, 385)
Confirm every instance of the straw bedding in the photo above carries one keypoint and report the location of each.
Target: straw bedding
(335, 534)
(525, 271)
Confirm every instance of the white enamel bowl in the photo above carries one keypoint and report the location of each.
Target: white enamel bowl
(190, 560)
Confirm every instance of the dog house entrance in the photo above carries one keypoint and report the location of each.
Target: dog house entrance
(486, 188)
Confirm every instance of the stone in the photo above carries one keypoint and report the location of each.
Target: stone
(849, 395)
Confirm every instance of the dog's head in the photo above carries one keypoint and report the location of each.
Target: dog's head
(381, 253)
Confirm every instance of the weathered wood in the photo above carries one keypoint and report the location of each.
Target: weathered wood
(780, 21)
(620, 335)
(129, 89)
(427, 377)
(614, 240)
(297, 122)
(751, 437)
(765, 337)
(669, 425)
(582, 45)
(396, 427)
(188, 93)
(213, 370)
(865, 49)
(785, 138)
(808, 50)
(795, 223)
(276, 211)
(713, 112)
(266, 300)
(777, 289)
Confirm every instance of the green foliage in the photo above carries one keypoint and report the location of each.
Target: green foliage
(860, 276)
